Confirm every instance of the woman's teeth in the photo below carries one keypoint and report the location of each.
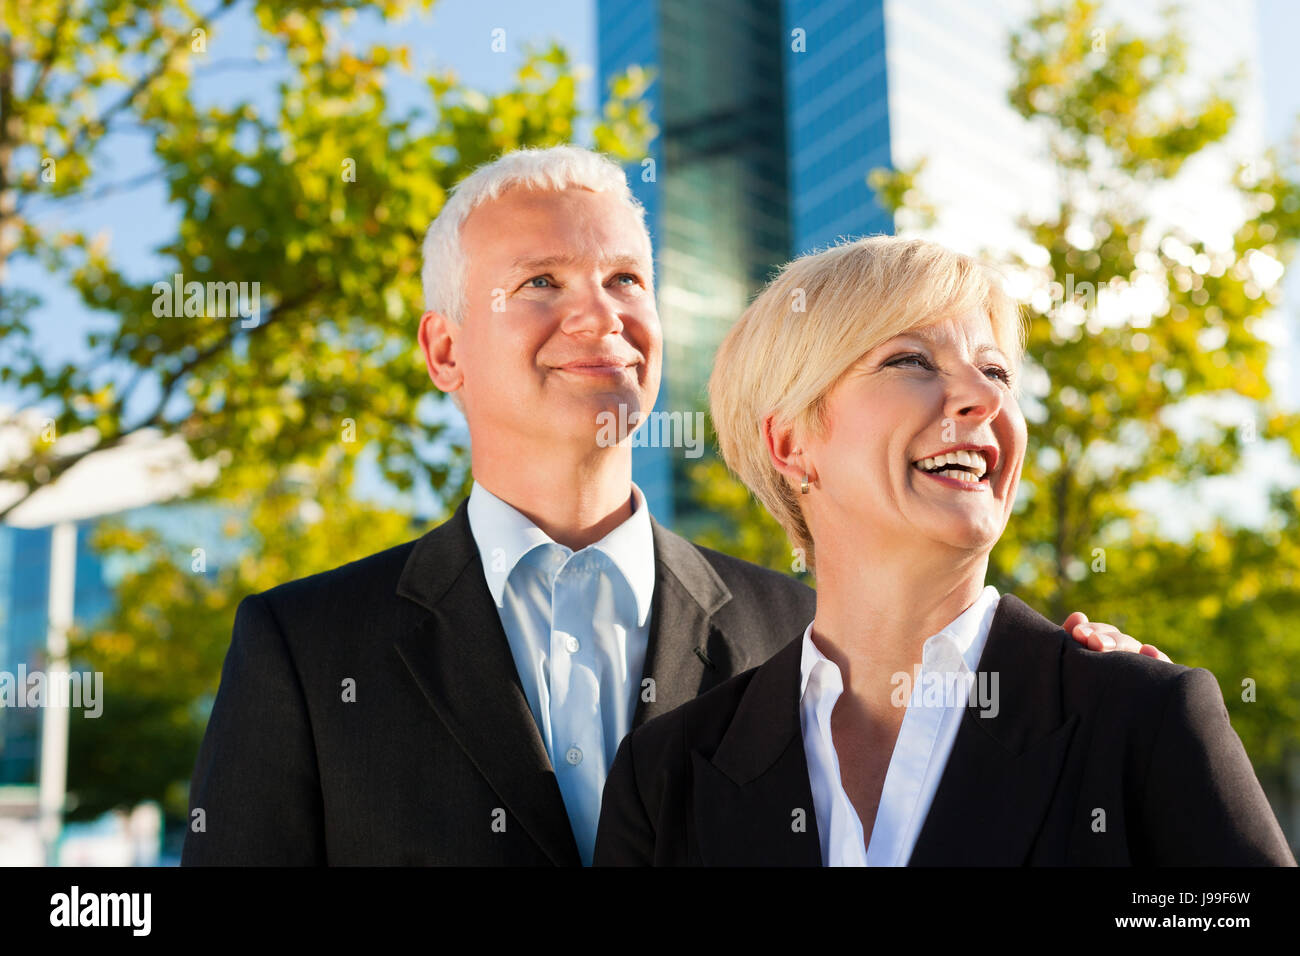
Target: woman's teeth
(973, 465)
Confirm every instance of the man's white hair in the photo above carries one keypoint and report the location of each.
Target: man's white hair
(446, 270)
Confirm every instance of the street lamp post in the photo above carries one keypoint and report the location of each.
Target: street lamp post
(54, 715)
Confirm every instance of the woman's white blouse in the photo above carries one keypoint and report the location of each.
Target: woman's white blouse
(935, 698)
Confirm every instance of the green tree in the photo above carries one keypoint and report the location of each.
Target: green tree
(1106, 420)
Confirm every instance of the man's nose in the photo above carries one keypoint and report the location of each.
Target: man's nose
(590, 309)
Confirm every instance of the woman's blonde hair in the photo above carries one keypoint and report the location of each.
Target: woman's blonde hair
(814, 322)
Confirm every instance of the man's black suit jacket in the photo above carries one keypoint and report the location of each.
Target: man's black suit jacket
(438, 759)
(1091, 759)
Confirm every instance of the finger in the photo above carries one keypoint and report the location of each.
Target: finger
(1119, 641)
(1094, 637)
(1125, 643)
(1150, 650)
(1073, 621)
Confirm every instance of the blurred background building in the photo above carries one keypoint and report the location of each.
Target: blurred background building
(142, 485)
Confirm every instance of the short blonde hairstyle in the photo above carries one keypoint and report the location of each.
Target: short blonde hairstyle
(813, 323)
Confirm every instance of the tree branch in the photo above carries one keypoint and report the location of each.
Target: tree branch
(155, 417)
(51, 55)
(143, 83)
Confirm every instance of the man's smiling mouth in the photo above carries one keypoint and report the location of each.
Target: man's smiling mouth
(599, 365)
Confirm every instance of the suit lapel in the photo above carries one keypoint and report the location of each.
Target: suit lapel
(753, 801)
(1003, 770)
(461, 661)
(686, 652)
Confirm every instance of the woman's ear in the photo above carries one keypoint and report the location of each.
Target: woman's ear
(438, 343)
(784, 450)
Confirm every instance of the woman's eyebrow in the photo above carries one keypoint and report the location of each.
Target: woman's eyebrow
(929, 340)
(990, 348)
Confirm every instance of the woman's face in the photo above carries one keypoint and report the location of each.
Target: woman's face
(919, 395)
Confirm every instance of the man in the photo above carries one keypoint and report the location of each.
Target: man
(458, 699)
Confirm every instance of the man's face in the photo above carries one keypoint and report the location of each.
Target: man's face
(560, 322)
(915, 396)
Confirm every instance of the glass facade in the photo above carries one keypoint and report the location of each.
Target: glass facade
(839, 126)
(719, 205)
(25, 598)
(24, 620)
(628, 35)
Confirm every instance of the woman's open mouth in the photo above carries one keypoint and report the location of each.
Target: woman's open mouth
(963, 470)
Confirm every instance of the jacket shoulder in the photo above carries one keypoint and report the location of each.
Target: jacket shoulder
(378, 591)
(768, 606)
(1093, 678)
(1125, 680)
(1192, 791)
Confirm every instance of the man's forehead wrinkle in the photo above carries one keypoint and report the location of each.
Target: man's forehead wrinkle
(583, 258)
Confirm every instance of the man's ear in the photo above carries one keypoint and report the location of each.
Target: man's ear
(784, 451)
(438, 343)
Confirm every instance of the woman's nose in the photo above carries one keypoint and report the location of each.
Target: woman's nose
(974, 394)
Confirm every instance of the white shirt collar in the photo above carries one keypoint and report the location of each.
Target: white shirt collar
(504, 535)
(967, 634)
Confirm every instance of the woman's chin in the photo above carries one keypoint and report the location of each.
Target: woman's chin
(965, 535)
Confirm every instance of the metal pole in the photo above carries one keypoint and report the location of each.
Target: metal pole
(54, 718)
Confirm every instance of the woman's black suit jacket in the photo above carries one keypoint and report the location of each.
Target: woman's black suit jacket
(1092, 759)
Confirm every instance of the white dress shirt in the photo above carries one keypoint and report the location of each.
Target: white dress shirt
(936, 699)
(578, 624)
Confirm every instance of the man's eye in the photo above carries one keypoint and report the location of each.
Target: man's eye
(629, 276)
(543, 279)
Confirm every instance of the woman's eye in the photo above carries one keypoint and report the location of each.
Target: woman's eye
(920, 360)
(1000, 373)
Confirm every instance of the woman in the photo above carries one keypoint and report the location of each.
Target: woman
(868, 398)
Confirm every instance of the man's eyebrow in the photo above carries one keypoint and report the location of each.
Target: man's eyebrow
(541, 263)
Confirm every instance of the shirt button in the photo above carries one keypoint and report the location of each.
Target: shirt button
(571, 644)
(574, 756)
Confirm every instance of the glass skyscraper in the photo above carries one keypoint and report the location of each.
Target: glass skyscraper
(838, 119)
(717, 193)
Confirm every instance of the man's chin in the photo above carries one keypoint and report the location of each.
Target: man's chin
(599, 420)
